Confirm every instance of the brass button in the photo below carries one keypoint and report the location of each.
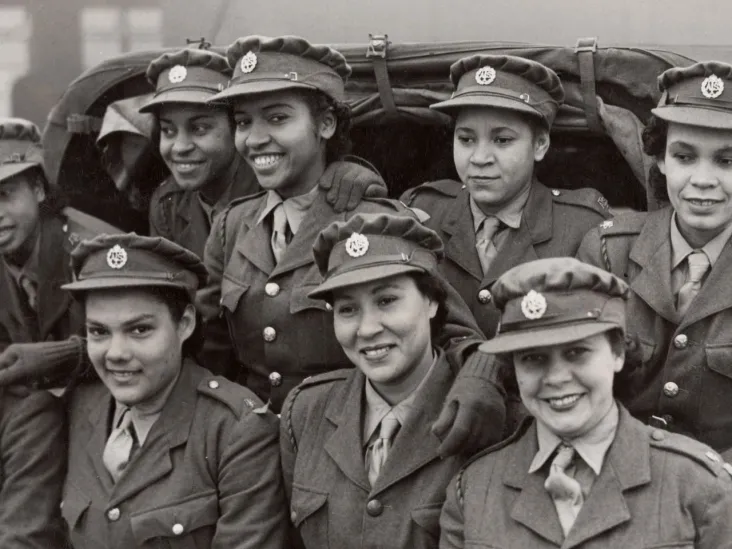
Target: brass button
(113, 514)
(484, 296)
(681, 341)
(329, 307)
(213, 384)
(275, 379)
(556, 192)
(374, 508)
(658, 435)
(670, 389)
(272, 289)
(293, 516)
(178, 529)
(269, 334)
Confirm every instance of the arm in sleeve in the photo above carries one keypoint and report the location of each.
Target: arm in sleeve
(254, 512)
(33, 454)
(452, 535)
(590, 249)
(289, 434)
(714, 507)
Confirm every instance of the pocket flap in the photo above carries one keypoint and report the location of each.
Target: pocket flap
(719, 359)
(231, 293)
(73, 506)
(428, 517)
(304, 503)
(299, 300)
(181, 517)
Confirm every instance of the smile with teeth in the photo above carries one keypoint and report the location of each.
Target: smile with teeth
(563, 402)
(187, 166)
(122, 374)
(698, 202)
(266, 160)
(376, 352)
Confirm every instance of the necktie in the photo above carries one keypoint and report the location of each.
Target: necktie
(30, 291)
(698, 265)
(120, 446)
(487, 250)
(564, 490)
(279, 232)
(382, 445)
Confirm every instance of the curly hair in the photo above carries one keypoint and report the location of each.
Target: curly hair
(319, 103)
(434, 289)
(654, 145)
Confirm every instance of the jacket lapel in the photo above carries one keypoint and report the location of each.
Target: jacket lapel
(652, 253)
(54, 270)
(715, 294)
(170, 431)
(192, 220)
(344, 445)
(11, 312)
(97, 435)
(255, 246)
(460, 246)
(403, 460)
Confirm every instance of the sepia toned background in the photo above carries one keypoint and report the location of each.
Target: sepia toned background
(48, 43)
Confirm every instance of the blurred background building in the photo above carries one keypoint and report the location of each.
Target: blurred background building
(48, 43)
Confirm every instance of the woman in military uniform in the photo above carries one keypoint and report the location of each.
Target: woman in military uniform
(162, 452)
(360, 462)
(677, 259)
(583, 472)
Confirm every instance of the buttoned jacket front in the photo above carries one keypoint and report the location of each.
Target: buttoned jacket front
(331, 500)
(686, 377)
(656, 489)
(207, 475)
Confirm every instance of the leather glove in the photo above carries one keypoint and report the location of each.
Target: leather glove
(346, 183)
(474, 414)
(40, 364)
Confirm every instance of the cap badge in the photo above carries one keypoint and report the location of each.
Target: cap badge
(712, 86)
(248, 62)
(533, 305)
(485, 75)
(116, 257)
(357, 245)
(177, 74)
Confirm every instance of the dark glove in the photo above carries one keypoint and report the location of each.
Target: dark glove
(40, 364)
(346, 183)
(474, 414)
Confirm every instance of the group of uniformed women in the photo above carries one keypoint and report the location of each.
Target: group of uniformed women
(358, 320)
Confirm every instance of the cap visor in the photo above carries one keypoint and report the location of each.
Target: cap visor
(476, 100)
(194, 97)
(14, 168)
(360, 276)
(103, 283)
(542, 337)
(695, 116)
(256, 87)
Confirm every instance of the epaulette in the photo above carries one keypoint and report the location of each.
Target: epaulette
(228, 393)
(168, 186)
(221, 218)
(628, 223)
(446, 187)
(692, 449)
(584, 197)
(80, 226)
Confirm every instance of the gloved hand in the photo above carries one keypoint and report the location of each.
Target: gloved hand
(474, 414)
(40, 364)
(346, 183)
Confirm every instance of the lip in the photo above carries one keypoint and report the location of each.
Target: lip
(376, 353)
(187, 167)
(483, 178)
(265, 162)
(563, 403)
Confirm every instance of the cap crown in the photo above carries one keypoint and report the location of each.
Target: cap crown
(20, 146)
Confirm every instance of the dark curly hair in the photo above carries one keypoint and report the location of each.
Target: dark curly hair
(654, 145)
(434, 288)
(319, 103)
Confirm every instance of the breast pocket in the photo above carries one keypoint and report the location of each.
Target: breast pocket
(73, 508)
(309, 514)
(189, 523)
(231, 293)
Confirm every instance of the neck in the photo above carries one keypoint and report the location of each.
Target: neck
(308, 180)
(698, 238)
(398, 390)
(24, 252)
(213, 190)
(155, 404)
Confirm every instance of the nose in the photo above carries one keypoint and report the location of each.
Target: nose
(183, 143)
(370, 324)
(118, 351)
(257, 135)
(482, 155)
(556, 371)
(704, 175)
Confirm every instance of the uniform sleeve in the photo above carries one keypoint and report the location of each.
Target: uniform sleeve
(289, 433)
(590, 249)
(452, 520)
(33, 454)
(218, 351)
(251, 492)
(714, 529)
(158, 224)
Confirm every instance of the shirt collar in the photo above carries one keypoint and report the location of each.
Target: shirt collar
(30, 269)
(592, 447)
(510, 214)
(377, 407)
(680, 248)
(296, 207)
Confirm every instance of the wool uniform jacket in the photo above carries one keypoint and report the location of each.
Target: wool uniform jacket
(686, 378)
(58, 315)
(656, 489)
(33, 457)
(332, 503)
(177, 214)
(552, 225)
(207, 476)
(261, 310)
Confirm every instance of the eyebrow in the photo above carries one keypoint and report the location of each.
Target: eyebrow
(192, 119)
(130, 322)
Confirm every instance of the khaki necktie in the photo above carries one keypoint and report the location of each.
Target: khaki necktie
(120, 446)
(487, 250)
(564, 490)
(380, 448)
(698, 265)
(30, 290)
(279, 231)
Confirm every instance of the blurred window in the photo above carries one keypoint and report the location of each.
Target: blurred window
(15, 31)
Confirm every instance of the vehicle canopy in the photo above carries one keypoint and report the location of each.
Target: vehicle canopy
(595, 139)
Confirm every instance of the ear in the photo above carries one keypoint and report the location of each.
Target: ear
(432, 309)
(661, 163)
(187, 323)
(618, 362)
(541, 143)
(327, 124)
